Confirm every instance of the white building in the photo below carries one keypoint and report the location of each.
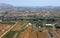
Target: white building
(49, 24)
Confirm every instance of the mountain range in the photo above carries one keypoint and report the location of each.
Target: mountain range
(11, 8)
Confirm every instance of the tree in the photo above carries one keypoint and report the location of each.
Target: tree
(5, 13)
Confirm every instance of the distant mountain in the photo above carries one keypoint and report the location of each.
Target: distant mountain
(5, 7)
(10, 8)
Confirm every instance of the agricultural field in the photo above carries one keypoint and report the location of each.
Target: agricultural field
(54, 33)
(15, 30)
(4, 27)
(24, 29)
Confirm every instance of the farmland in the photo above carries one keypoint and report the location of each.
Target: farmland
(27, 29)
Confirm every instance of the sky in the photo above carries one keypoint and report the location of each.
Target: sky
(32, 2)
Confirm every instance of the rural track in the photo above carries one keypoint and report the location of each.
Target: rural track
(19, 26)
(8, 30)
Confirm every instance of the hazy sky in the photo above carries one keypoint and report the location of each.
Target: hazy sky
(32, 2)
